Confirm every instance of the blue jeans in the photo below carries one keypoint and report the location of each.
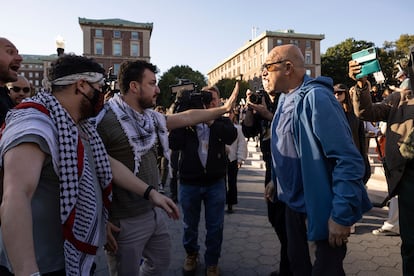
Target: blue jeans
(214, 198)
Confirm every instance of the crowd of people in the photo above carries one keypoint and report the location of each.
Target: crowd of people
(84, 175)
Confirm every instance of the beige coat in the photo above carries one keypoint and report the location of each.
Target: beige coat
(397, 111)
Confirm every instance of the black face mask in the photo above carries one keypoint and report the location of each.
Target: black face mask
(97, 100)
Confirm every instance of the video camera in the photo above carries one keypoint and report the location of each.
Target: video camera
(188, 97)
(110, 82)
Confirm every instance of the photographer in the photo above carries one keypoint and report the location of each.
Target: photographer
(203, 166)
(259, 115)
(397, 111)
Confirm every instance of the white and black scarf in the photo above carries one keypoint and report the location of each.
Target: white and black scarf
(78, 210)
(141, 129)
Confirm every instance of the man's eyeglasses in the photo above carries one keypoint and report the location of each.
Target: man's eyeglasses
(269, 66)
(17, 89)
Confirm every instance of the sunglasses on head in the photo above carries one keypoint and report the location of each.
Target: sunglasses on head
(17, 89)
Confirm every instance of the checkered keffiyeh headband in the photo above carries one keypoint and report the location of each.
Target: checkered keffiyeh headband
(69, 79)
(78, 208)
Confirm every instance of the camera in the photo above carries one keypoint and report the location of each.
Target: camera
(256, 97)
(188, 97)
(110, 82)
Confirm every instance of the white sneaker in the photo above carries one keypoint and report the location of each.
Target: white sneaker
(352, 230)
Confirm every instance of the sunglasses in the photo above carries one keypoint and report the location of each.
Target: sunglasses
(269, 66)
(338, 93)
(17, 89)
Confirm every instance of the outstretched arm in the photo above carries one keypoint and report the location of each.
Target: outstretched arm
(194, 116)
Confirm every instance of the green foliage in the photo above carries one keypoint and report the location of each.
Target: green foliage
(226, 88)
(335, 61)
(172, 76)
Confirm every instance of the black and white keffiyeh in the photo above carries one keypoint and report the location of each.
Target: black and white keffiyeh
(78, 210)
(142, 129)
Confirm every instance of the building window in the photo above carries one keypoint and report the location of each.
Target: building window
(308, 72)
(308, 44)
(98, 33)
(117, 49)
(134, 36)
(30, 75)
(99, 48)
(22, 74)
(36, 74)
(294, 42)
(308, 57)
(116, 68)
(134, 49)
(279, 42)
(117, 34)
(36, 82)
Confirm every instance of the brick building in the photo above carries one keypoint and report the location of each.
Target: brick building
(112, 41)
(246, 62)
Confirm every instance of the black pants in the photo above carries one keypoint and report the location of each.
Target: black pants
(328, 260)
(232, 171)
(406, 215)
(276, 215)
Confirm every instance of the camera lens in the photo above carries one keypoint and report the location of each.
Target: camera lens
(255, 98)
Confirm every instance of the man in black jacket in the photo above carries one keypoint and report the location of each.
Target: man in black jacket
(257, 122)
(9, 64)
(202, 179)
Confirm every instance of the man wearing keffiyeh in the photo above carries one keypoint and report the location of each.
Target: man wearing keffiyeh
(131, 131)
(57, 178)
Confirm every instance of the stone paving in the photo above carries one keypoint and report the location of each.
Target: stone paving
(250, 246)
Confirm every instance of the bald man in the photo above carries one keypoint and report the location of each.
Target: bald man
(19, 90)
(315, 165)
(10, 61)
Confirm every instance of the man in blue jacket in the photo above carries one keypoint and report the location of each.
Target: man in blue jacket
(316, 167)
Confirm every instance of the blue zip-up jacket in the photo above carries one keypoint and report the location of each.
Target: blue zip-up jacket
(331, 166)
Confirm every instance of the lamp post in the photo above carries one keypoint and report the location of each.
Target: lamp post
(60, 45)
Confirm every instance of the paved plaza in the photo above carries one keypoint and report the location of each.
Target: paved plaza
(250, 245)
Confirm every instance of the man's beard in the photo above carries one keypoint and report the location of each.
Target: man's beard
(145, 103)
(91, 107)
(86, 109)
